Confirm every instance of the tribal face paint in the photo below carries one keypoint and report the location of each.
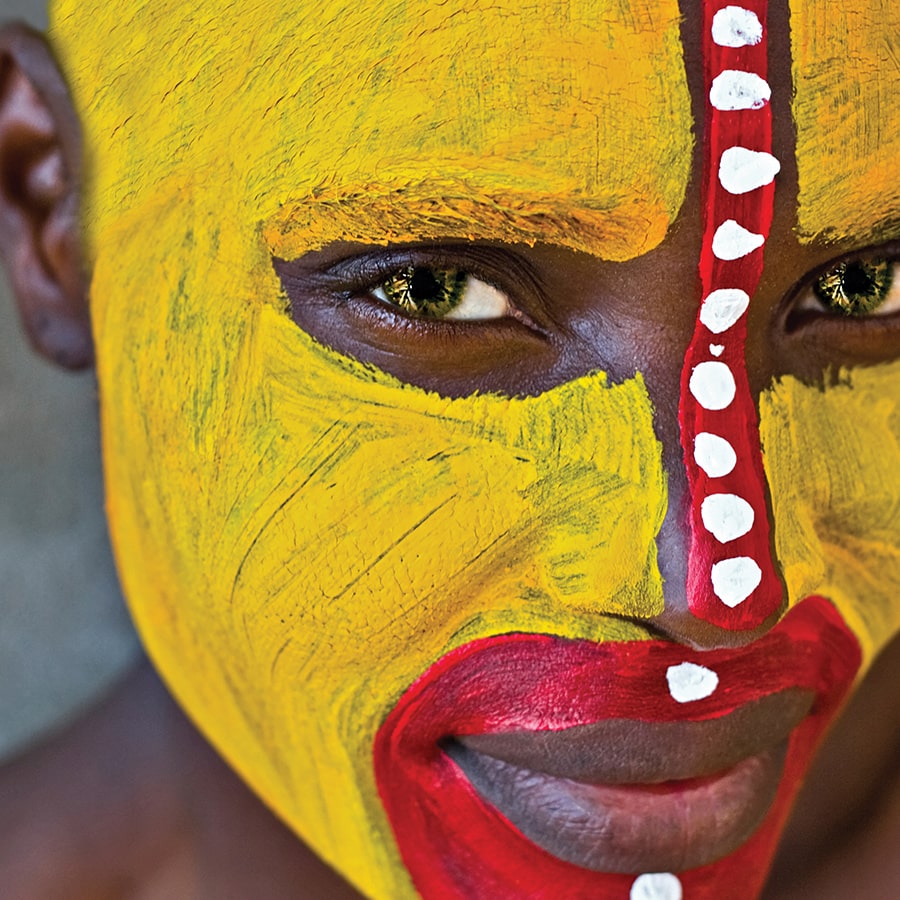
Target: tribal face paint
(732, 581)
(300, 536)
(845, 81)
(310, 546)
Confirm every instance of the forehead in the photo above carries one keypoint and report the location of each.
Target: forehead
(562, 122)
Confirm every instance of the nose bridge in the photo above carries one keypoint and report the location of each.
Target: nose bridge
(716, 540)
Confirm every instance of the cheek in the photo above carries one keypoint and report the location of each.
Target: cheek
(300, 536)
(406, 523)
(833, 462)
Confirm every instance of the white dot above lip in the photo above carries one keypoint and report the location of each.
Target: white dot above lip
(717, 349)
(734, 90)
(714, 454)
(732, 241)
(656, 886)
(742, 170)
(689, 682)
(726, 516)
(735, 579)
(734, 26)
(712, 385)
(722, 308)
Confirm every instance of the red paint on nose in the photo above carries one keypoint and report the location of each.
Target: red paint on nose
(732, 581)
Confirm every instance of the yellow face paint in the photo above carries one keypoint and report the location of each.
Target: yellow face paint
(833, 454)
(833, 462)
(300, 536)
(395, 120)
(845, 105)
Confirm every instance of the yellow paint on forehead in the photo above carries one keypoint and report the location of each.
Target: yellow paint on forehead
(563, 121)
(846, 70)
(832, 459)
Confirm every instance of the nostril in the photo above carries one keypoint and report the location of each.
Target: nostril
(682, 627)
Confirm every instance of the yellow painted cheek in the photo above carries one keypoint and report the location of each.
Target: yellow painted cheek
(833, 462)
(846, 71)
(301, 536)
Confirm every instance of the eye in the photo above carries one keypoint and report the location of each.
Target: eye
(844, 313)
(450, 318)
(861, 287)
(442, 293)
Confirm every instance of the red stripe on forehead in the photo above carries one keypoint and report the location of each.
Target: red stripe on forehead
(732, 580)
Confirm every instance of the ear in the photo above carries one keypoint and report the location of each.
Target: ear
(40, 170)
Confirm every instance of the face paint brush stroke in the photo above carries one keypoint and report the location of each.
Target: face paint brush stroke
(732, 581)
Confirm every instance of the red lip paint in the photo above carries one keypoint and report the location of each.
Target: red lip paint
(456, 845)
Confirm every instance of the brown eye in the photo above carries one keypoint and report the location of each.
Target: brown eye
(859, 287)
(438, 293)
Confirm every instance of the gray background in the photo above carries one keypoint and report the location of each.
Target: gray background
(64, 634)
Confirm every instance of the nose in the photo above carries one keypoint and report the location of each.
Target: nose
(678, 621)
(718, 521)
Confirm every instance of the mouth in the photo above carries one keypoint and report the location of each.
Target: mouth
(526, 759)
(634, 828)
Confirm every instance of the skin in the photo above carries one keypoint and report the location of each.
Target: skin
(596, 322)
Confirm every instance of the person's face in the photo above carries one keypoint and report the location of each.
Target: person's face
(319, 497)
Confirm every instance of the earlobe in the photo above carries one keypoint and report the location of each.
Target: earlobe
(40, 159)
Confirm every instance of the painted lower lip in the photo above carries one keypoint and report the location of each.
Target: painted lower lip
(455, 844)
(631, 828)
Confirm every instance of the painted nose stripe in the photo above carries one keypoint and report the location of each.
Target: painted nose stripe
(732, 581)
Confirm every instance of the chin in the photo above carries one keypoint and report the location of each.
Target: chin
(532, 765)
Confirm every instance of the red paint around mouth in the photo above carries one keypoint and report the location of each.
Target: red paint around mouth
(455, 845)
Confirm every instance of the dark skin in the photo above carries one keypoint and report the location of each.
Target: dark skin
(586, 315)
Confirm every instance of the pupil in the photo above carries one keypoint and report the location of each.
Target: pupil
(857, 280)
(423, 285)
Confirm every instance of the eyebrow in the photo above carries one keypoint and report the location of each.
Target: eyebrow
(623, 225)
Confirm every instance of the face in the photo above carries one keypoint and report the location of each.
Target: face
(477, 492)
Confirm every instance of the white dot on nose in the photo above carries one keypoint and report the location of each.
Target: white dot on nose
(722, 308)
(734, 26)
(714, 454)
(735, 579)
(734, 90)
(742, 170)
(712, 385)
(732, 241)
(726, 516)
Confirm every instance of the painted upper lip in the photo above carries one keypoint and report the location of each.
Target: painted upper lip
(626, 751)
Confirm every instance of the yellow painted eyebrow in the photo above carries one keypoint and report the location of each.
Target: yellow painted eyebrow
(465, 209)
